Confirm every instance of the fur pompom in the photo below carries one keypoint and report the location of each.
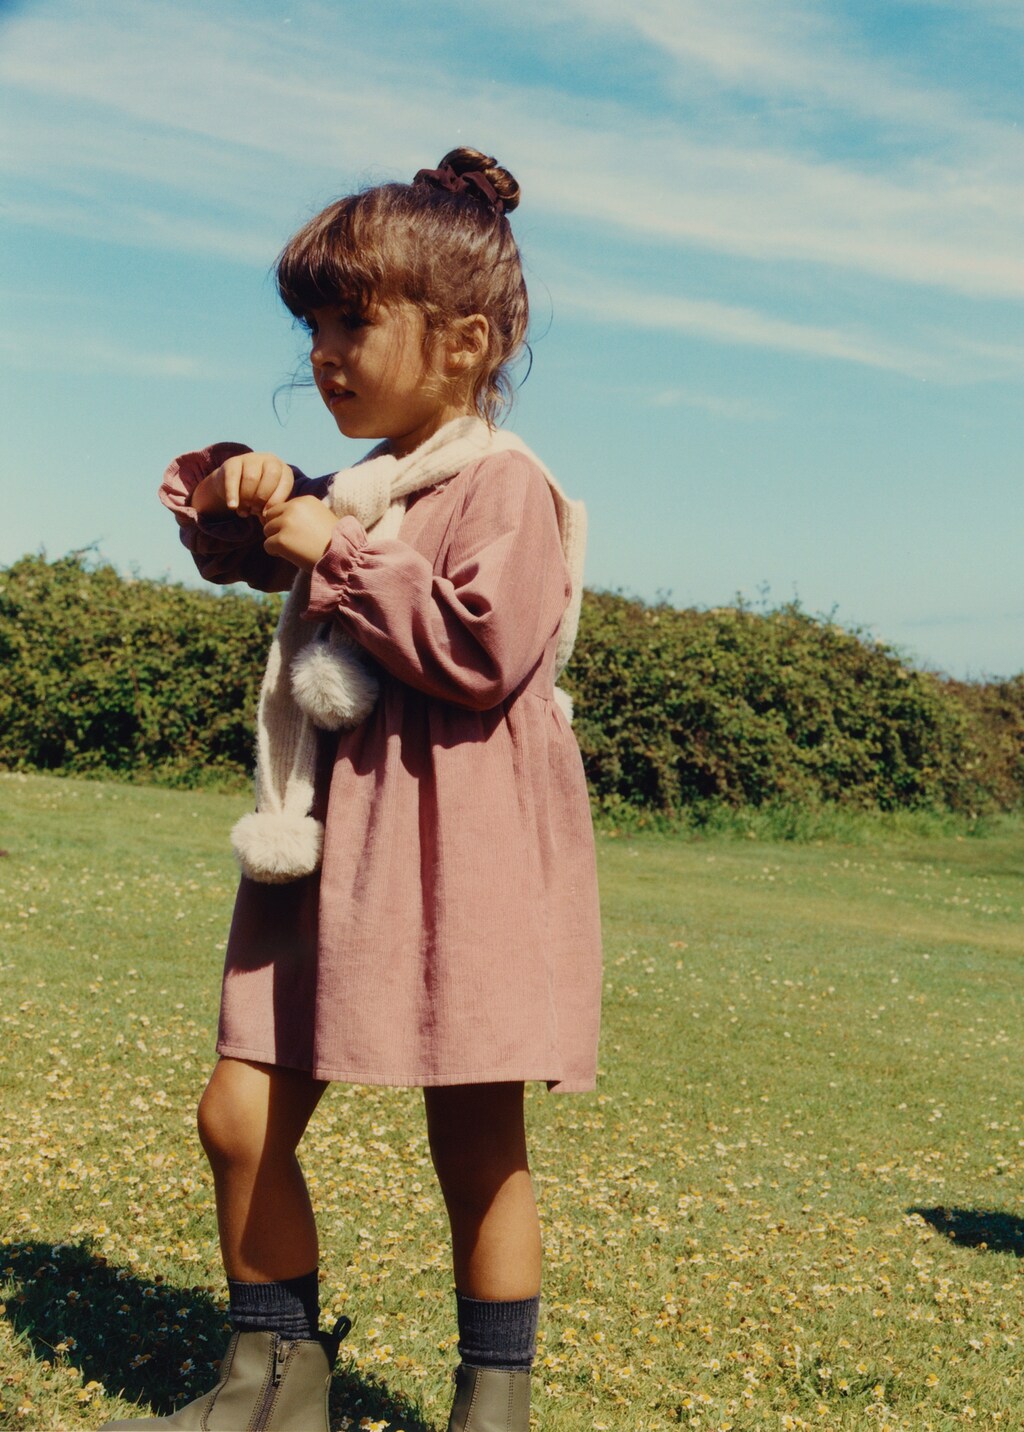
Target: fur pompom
(277, 848)
(564, 703)
(333, 686)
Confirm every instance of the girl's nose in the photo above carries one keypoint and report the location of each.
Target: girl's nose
(323, 352)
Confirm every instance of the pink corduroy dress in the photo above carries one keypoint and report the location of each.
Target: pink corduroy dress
(452, 934)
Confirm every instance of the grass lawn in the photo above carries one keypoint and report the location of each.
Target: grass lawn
(795, 1200)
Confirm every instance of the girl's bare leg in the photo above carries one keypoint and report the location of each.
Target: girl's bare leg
(251, 1119)
(478, 1144)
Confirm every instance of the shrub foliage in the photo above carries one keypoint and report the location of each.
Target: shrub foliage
(674, 708)
(746, 708)
(148, 679)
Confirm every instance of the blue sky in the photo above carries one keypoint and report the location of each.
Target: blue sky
(775, 252)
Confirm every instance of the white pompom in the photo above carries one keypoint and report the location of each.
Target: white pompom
(564, 703)
(274, 849)
(333, 686)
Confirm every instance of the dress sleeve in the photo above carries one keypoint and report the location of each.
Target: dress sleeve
(472, 631)
(227, 549)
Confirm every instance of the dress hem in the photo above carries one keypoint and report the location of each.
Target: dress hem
(409, 1081)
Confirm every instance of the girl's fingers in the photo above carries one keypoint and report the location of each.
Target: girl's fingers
(281, 489)
(247, 484)
(251, 475)
(272, 517)
(299, 530)
(266, 479)
(231, 482)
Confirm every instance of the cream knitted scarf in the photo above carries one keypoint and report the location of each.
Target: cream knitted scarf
(319, 677)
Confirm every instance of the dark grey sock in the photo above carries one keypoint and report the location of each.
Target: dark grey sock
(290, 1308)
(498, 1335)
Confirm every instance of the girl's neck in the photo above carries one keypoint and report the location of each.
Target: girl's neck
(403, 446)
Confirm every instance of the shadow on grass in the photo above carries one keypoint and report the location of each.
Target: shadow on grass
(154, 1344)
(984, 1228)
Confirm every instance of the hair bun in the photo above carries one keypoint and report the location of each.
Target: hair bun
(474, 161)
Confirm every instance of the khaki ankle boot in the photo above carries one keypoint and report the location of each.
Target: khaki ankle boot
(267, 1384)
(487, 1400)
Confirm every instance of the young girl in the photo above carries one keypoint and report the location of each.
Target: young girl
(418, 903)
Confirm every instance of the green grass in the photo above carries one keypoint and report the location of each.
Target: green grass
(795, 1200)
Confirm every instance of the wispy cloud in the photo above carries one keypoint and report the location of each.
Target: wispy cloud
(172, 146)
(82, 356)
(747, 327)
(930, 216)
(799, 182)
(1007, 13)
(733, 410)
(147, 227)
(934, 227)
(802, 55)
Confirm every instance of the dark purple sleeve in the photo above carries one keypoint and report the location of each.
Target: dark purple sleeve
(228, 549)
(472, 632)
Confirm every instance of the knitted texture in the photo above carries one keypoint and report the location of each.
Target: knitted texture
(316, 676)
(498, 1334)
(290, 1308)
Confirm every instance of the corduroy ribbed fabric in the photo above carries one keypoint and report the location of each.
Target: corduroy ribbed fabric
(318, 677)
(499, 1335)
(290, 1308)
(452, 936)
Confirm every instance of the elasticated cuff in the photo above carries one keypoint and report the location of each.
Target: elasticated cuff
(329, 576)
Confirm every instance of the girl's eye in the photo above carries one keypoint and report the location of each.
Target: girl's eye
(347, 321)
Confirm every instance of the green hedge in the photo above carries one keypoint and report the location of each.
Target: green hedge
(106, 673)
(744, 708)
(727, 707)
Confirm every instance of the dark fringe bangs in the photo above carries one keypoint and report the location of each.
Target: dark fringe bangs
(322, 267)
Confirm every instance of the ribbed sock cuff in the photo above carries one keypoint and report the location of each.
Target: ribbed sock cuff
(290, 1308)
(498, 1335)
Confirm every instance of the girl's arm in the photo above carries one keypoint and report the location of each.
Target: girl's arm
(227, 548)
(473, 633)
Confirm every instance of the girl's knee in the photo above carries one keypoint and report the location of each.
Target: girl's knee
(251, 1111)
(232, 1114)
(225, 1132)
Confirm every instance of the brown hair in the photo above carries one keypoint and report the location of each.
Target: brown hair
(451, 254)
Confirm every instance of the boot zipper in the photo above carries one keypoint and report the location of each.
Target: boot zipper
(266, 1405)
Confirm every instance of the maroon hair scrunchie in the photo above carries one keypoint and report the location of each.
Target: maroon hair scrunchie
(472, 183)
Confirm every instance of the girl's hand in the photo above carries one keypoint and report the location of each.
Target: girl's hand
(300, 531)
(244, 486)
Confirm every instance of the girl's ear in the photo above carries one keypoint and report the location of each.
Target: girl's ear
(466, 344)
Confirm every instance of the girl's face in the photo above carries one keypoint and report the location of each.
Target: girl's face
(376, 376)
